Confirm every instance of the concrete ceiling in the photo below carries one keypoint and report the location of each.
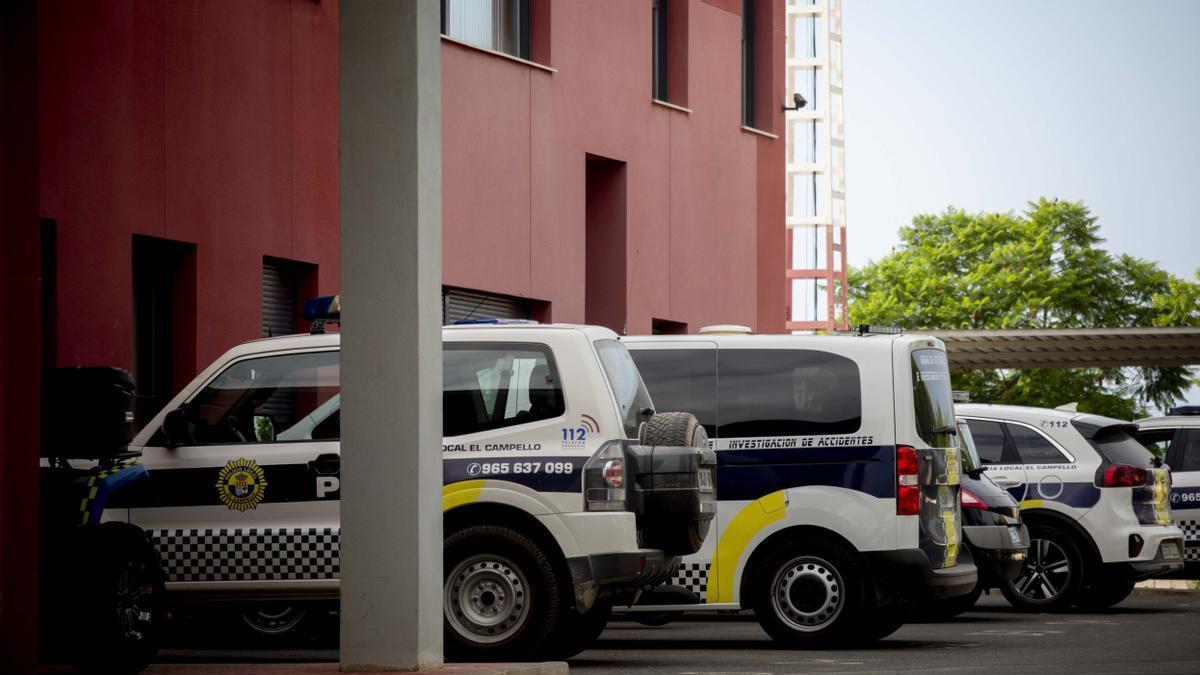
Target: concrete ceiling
(1070, 347)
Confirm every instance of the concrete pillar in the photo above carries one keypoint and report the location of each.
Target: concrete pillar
(390, 128)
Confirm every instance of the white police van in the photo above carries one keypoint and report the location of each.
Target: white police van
(1095, 501)
(838, 498)
(1176, 438)
(549, 509)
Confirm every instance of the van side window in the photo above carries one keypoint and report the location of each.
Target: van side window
(1033, 447)
(682, 379)
(269, 399)
(787, 392)
(989, 440)
(489, 386)
(1190, 457)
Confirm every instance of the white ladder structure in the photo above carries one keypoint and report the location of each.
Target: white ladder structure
(816, 168)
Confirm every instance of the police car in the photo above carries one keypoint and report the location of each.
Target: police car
(838, 497)
(550, 509)
(1176, 438)
(1095, 501)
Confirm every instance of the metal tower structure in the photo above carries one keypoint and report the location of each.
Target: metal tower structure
(816, 168)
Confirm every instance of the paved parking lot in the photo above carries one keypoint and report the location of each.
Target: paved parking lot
(1146, 633)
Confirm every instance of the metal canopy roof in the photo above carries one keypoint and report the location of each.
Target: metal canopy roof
(1071, 347)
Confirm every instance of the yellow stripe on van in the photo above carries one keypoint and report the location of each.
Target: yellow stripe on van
(460, 493)
(737, 535)
(1033, 503)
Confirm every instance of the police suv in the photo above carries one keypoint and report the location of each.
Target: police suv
(1095, 501)
(549, 509)
(1176, 438)
(838, 497)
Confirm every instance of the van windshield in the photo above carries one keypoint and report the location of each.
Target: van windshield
(626, 383)
(933, 399)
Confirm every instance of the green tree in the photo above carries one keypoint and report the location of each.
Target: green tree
(1044, 268)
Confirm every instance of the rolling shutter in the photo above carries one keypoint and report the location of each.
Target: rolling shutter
(278, 299)
(458, 303)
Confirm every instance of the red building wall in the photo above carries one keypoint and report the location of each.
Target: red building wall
(210, 123)
(704, 197)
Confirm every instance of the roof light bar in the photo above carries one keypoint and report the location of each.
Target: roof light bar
(868, 329)
(322, 310)
(1184, 410)
(495, 321)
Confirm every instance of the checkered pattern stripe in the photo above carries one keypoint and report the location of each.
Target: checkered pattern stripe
(694, 577)
(248, 554)
(1191, 539)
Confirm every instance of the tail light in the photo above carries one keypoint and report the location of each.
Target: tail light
(1135, 545)
(908, 491)
(604, 479)
(970, 501)
(1124, 475)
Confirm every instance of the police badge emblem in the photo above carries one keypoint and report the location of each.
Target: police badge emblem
(241, 484)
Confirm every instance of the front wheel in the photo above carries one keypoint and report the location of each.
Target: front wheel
(818, 594)
(1051, 576)
(501, 599)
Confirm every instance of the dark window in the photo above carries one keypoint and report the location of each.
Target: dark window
(660, 41)
(1117, 447)
(499, 25)
(989, 440)
(1034, 448)
(748, 58)
(1190, 460)
(240, 404)
(164, 310)
(970, 454)
(488, 386)
(626, 384)
(683, 380)
(787, 392)
(1157, 441)
(932, 397)
(286, 284)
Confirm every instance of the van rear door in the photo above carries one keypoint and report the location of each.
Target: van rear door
(936, 451)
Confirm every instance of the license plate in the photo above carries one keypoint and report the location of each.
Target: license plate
(1170, 550)
(1014, 533)
(704, 480)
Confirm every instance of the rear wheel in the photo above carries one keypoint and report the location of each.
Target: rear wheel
(578, 632)
(1051, 576)
(501, 599)
(1107, 589)
(656, 619)
(275, 621)
(952, 607)
(817, 593)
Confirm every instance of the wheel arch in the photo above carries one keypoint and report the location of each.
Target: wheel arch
(1066, 524)
(788, 535)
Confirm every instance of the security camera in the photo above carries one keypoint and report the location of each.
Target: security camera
(798, 102)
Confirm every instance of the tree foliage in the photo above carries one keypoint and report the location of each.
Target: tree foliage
(1043, 268)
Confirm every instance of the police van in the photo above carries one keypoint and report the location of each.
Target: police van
(1096, 503)
(838, 497)
(1176, 439)
(550, 509)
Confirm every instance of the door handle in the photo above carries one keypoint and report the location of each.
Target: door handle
(326, 464)
(1005, 482)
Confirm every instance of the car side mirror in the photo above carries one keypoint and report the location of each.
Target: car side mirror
(264, 429)
(176, 428)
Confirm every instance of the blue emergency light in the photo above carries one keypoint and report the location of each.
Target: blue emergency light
(494, 321)
(322, 310)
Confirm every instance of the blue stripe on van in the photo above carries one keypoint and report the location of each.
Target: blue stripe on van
(749, 474)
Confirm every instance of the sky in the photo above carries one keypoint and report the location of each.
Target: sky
(988, 105)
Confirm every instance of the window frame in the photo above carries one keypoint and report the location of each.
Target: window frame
(522, 10)
(749, 55)
(660, 81)
(551, 363)
(708, 351)
(159, 439)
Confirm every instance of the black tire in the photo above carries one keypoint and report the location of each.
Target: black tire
(578, 632)
(818, 594)
(276, 622)
(656, 619)
(941, 610)
(1044, 584)
(675, 429)
(121, 603)
(1104, 589)
(501, 596)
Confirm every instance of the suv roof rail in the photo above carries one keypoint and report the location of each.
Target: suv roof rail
(870, 329)
(495, 321)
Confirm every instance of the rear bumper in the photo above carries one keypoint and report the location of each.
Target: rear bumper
(606, 573)
(1159, 565)
(999, 550)
(909, 573)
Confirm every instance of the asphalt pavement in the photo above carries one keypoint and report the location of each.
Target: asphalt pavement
(1148, 633)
